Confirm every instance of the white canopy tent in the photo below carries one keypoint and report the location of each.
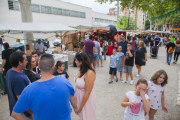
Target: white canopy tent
(13, 27)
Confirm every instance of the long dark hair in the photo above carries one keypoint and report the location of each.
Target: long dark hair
(28, 65)
(86, 64)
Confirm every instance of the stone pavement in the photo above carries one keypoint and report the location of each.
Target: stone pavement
(110, 96)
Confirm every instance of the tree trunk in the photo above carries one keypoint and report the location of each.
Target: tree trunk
(135, 17)
(128, 17)
(26, 14)
(117, 12)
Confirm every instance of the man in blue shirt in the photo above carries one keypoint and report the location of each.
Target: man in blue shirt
(123, 43)
(16, 81)
(49, 97)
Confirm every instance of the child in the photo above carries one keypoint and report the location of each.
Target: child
(155, 92)
(60, 70)
(121, 61)
(129, 62)
(136, 102)
(113, 65)
(100, 57)
(36, 55)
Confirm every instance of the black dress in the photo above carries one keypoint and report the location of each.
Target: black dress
(140, 57)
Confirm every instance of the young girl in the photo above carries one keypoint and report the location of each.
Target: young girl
(156, 92)
(136, 102)
(121, 61)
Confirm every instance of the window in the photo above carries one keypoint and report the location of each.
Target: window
(35, 8)
(74, 14)
(101, 20)
(108, 21)
(13, 5)
(56, 11)
(82, 15)
(97, 20)
(45, 9)
(66, 12)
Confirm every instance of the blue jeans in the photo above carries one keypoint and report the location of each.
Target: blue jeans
(169, 57)
(151, 49)
(90, 57)
(104, 54)
(1, 47)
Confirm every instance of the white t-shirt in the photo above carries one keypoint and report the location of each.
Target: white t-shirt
(154, 92)
(40, 47)
(134, 112)
(101, 51)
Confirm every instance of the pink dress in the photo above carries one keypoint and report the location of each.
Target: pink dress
(89, 110)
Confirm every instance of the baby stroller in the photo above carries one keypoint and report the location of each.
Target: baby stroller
(154, 51)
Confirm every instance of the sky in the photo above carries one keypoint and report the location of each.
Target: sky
(96, 7)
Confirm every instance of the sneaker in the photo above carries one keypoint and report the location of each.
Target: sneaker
(124, 81)
(116, 79)
(110, 82)
(102, 65)
(168, 63)
(137, 75)
(121, 79)
(132, 81)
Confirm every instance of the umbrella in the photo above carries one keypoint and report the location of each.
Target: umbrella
(113, 30)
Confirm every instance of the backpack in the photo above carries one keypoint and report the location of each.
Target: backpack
(170, 50)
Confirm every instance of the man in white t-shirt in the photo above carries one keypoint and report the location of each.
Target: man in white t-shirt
(40, 47)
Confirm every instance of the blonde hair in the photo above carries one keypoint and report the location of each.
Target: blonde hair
(141, 44)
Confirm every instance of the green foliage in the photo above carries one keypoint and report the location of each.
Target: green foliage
(123, 23)
(147, 25)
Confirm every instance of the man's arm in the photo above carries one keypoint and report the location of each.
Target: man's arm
(19, 116)
(74, 103)
(2, 66)
(99, 50)
(94, 51)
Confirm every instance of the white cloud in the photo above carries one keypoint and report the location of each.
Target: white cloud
(97, 7)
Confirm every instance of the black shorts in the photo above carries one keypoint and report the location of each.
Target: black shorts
(113, 71)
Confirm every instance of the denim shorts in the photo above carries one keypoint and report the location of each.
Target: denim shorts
(100, 57)
(90, 57)
(96, 57)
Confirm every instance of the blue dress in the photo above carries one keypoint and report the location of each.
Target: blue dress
(119, 68)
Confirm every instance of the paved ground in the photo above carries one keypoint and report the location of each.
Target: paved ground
(109, 97)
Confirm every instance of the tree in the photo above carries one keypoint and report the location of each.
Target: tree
(123, 23)
(147, 24)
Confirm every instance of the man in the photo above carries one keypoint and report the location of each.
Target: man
(16, 81)
(145, 40)
(157, 42)
(1, 42)
(90, 48)
(97, 52)
(36, 55)
(170, 49)
(123, 43)
(48, 97)
(5, 57)
(40, 47)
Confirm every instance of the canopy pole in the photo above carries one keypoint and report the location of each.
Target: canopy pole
(26, 15)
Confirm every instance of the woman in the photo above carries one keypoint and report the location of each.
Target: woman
(141, 57)
(134, 45)
(105, 49)
(81, 46)
(28, 50)
(177, 51)
(29, 69)
(84, 79)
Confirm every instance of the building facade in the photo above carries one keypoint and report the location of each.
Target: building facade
(54, 11)
(140, 15)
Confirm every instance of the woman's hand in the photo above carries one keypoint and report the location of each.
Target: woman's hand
(79, 110)
(122, 65)
(76, 111)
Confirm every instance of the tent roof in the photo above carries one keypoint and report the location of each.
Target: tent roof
(91, 28)
(14, 27)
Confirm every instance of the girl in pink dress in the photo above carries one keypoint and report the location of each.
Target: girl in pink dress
(84, 79)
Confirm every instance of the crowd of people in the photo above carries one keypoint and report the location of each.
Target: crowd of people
(39, 89)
